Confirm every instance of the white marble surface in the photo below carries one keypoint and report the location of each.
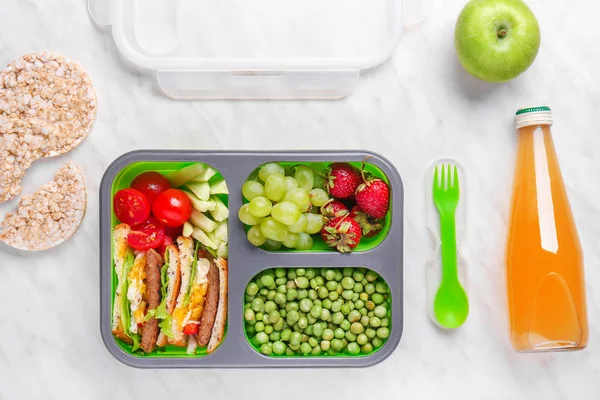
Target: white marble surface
(418, 106)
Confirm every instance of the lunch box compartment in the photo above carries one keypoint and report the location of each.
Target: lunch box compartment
(319, 245)
(386, 303)
(245, 260)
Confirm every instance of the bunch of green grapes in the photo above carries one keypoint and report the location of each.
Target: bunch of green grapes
(279, 207)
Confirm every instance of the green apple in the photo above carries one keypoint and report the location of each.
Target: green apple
(496, 40)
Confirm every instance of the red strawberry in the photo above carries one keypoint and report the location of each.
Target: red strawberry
(373, 197)
(342, 179)
(333, 209)
(343, 233)
(370, 226)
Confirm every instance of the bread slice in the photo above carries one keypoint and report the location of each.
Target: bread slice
(186, 259)
(120, 251)
(218, 330)
(173, 286)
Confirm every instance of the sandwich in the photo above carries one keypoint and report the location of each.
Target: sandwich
(138, 292)
(179, 302)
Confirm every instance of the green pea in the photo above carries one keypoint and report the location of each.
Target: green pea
(267, 280)
(268, 329)
(336, 305)
(357, 328)
(364, 281)
(266, 349)
(345, 309)
(366, 348)
(327, 334)
(292, 306)
(380, 311)
(345, 325)
(354, 316)
(327, 304)
(300, 271)
(371, 333)
(358, 287)
(381, 287)
(331, 285)
(325, 315)
(279, 348)
(385, 322)
(259, 316)
(370, 314)
(337, 344)
(369, 288)
(337, 318)
(338, 275)
(375, 322)
(252, 289)
(339, 333)
(318, 330)
(318, 302)
(263, 292)
(330, 275)
(364, 320)
(362, 339)
(309, 330)
(274, 316)
(351, 337)
(355, 297)
(301, 282)
(353, 349)
(295, 338)
(305, 305)
(274, 336)
(358, 276)
(383, 333)
(345, 342)
(302, 323)
(280, 299)
(363, 296)
(312, 294)
(313, 283)
(377, 298)
(322, 292)
(310, 273)
(376, 342)
(325, 345)
(294, 347)
(259, 327)
(305, 348)
(262, 337)
(316, 311)
(286, 334)
(257, 304)
(339, 290)
(313, 341)
(302, 294)
(347, 294)
(291, 274)
(289, 352)
(279, 273)
(311, 319)
(348, 283)
(333, 295)
(363, 311)
(290, 285)
(320, 281)
(358, 304)
(369, 305)
(347, 271)
(281, 282)
(371, 276)
(250, 329)
(271, 295)
(291, 294)
(316, 351)
(249, 315)
(270, 306)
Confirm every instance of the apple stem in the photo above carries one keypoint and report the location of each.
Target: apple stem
(502, 33)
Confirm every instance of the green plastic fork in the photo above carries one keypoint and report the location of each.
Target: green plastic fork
(451, 305)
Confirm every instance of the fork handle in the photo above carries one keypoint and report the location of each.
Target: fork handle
(449, 255)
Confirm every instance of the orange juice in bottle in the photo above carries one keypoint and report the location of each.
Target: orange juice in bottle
(546, 287)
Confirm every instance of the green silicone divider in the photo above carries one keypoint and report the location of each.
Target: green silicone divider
(375, 350)
(318, 243)
(122, 181)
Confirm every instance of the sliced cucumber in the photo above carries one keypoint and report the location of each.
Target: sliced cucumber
(188, 229)
(221, 235)
(202, 206)
(186, 174)
(220, 212)
(219, 187)
(202, 221)
(223, 250)
(200, 189)
(205, 175)
(200, 236)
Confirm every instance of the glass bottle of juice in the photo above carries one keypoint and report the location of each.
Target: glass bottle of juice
(546, 287)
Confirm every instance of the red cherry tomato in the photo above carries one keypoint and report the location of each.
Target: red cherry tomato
(166, 241)
(172, 207)
(131, 206)
(147, 235)
(191, 329)
(174, 232)
(151, 183)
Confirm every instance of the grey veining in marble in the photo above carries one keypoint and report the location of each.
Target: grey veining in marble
(414, 108)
